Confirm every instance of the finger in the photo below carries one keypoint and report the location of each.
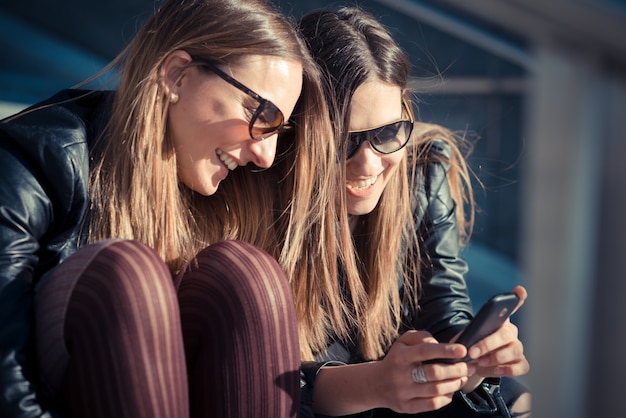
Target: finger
(440, 351)
(510, 353)
(442, 372)
(430, 395)
(506, 334)
(438, 387)
(414, 337)
(513, 369)
(517, 368)
(522, 294)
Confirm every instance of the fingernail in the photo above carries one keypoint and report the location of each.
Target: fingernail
(474, 352)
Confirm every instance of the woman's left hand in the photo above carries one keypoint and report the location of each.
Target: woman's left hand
(501, 353)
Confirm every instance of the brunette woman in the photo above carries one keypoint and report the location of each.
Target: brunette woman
(403, 297)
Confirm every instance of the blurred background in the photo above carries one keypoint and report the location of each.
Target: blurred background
(540, 87)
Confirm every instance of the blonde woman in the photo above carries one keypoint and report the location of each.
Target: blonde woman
(404, 189)
(140, 228)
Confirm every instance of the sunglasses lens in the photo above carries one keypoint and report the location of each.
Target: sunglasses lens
(354, 141)
(392, 137)
(266, 120)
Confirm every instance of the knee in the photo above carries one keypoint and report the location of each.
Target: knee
(134, 257)
(236, 271)
(241, 260)
(235, 248)
(126, 270)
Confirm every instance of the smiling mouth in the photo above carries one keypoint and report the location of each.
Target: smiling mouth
(361, 184)
(226, 159)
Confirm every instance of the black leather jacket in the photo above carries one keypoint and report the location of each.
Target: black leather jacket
(445, 306)
(44, 160)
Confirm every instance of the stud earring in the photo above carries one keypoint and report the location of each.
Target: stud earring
(173, 98)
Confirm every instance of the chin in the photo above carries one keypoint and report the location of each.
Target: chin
(361, 208)
(211, 191)
(204, 189)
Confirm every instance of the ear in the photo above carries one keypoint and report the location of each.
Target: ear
(173, 71)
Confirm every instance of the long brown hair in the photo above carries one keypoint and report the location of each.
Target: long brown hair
(352, 47)
(288, 209)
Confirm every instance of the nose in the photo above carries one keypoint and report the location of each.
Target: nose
(366, 155)
(264, 151)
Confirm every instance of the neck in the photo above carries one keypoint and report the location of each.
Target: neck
(353, 221)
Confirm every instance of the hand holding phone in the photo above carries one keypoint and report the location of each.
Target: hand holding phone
(489, 318)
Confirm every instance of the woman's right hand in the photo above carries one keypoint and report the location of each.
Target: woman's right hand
(389, 383)
(433, 388)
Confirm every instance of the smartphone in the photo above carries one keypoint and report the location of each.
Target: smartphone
(486, 321)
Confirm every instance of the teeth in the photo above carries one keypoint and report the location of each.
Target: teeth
(361, 184)
(228, 161)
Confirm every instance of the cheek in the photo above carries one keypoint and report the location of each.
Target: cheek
(182, 124)
(196, 109)
(193, 130)
(391, 162)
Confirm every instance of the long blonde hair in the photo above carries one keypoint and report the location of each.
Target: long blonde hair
(351, 47)
(288, 209)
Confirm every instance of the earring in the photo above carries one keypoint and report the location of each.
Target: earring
(173, 98)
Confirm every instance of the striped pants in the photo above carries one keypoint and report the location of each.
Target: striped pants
(117, 337)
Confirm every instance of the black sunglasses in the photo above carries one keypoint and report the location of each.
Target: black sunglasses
(266, 120)
(386, 139)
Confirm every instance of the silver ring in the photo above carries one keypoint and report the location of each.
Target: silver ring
(418, 375)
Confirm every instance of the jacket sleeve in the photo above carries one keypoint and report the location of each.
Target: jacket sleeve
(39, 186)
(444, 304)
(24, 212)
(308, 374)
